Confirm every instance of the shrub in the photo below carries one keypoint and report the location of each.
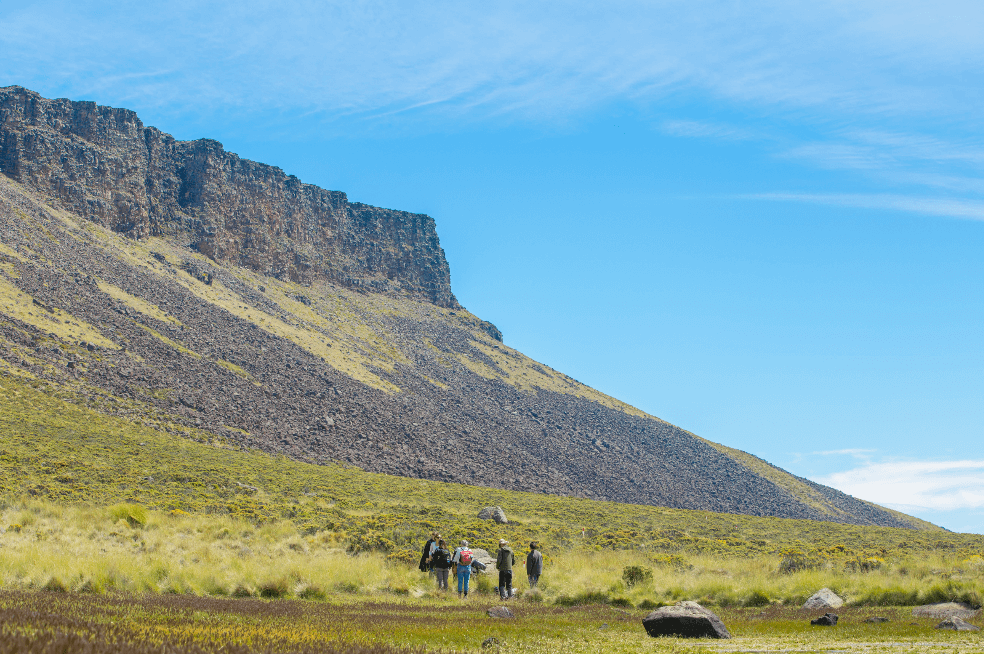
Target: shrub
(134, 514)
(798, 561)
(648, 604)
(621, 602)
(757, 598)
(55, 585)
(274, 588)
(312, 592)
(636, 574)
(534, 595)
(242, 591)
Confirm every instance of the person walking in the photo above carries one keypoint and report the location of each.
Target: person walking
(504, 562)
(534, 565)
(425, 554)
(441, 560)
(462, 560)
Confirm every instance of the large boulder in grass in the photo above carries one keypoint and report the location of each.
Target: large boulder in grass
(945, 610)
(687, 619)
(494, 513)
(485, 559)
(956, 624)
(823, 599)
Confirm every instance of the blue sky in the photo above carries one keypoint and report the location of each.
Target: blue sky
(761, 221)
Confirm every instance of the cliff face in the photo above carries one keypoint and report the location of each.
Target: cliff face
(103, 164)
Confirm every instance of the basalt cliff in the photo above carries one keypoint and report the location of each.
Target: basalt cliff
(184, 287)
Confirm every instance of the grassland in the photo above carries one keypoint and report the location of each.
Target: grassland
(220, 521)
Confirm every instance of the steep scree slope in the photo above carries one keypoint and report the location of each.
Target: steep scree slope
(309, 364)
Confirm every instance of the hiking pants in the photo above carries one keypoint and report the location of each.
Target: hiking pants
(464, 572)
(533, 579)
(505, 582)
(442, 578)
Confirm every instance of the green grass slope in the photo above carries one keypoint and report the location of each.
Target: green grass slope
(53, 446)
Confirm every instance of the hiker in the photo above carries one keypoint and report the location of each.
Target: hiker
(441, 560)
(425, 555)
(534, 565)
(462, 560)
(504, 563)
(430, 554)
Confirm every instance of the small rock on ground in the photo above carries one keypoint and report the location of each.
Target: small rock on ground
(957, 624)
(825, 620)
(500, 612)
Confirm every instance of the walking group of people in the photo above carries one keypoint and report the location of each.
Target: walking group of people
(437, 559)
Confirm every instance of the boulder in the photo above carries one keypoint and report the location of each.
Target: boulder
(945, 610)
(957, 624)
(494, 513)
(500, 612)
(823, 599)
(485, 559)
(825, 620)
(687, 619)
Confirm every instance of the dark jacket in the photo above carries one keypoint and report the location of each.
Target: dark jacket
(534, 563)
(424, 566)
(505, 561)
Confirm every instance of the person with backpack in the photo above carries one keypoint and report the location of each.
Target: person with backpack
(441, 560)
(534, 565)
(424, 565)
(462, 560)
(504, 563)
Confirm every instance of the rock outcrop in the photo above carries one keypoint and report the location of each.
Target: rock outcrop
(103, 164)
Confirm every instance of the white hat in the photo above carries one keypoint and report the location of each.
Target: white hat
(503, 541)
(464, 543)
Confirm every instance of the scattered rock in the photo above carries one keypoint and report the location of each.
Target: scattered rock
(825, 620)
(877, 619)
(687, 619)
(945, 610)
(491, 641)
(494, 513)
(957, 624)
(500, 612)
(823, 599)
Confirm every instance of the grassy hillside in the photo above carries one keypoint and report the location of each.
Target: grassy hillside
(53, 446)
(151, 330)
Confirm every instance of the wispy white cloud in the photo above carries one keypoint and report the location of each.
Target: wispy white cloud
(856, 452)
(970, 209)
(915, 485)
(831, 59)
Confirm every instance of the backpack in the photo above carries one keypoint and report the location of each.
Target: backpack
(442, 559)
(465, 557)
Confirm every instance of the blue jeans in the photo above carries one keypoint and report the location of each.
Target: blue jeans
(464, 573)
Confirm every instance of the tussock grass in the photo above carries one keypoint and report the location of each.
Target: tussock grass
(126, 548)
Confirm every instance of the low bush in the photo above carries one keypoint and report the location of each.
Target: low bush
(134, 514)
(636, 574)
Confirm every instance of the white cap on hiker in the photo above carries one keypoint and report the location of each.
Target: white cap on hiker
(503, 541)
(464, 543)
